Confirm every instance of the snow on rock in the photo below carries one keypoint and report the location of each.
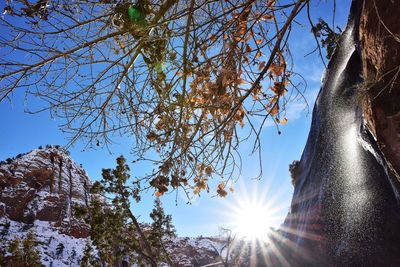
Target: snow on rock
(39, 191)
(48, 239)
(45, 185)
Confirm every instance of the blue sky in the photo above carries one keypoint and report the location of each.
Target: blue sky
(21, 132)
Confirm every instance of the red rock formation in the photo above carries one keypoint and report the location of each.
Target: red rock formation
(380, 45)
(45, 185)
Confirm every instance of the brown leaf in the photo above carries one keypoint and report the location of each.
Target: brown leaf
(152, 136)
(208, 170)
(276, 69)
(213, 38)
(279, 88)
(248, 48)
(262, 65)
(268, 16)
(274, 110)
(221, 190)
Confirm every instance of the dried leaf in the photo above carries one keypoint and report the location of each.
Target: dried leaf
(213, 38)
(274, 110)
(284, 121)
(221, 190)
(208, 170)
(270, 3)
(248, 48)
(262, 65)
(276, 69)
(279, 88)
(152, 136)
(268, 17)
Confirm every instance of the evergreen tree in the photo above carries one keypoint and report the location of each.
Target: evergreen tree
(31, 255)
(162, 224)
(161, 228)
(2, 258)
(25, 256)
(88, 260)
(16, 253)
(115, 230)
(59, 249)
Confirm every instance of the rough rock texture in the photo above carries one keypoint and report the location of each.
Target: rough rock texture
(380, 46)
(45, 185)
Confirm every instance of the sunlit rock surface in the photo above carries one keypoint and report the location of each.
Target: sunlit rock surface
(345, 208)
(39, 191)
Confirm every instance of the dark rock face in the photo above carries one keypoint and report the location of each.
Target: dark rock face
(379, 35)
(345, 208)
(45, 185)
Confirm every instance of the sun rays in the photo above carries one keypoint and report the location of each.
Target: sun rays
(255, 221)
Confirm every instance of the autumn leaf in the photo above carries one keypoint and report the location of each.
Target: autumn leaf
(158, 194)
(208, 170)
(262, 65)
(259, 41)
(240, 81)
(284, 121)
(213, 38)
(152, 136)
(237, 38)
(279, 88)
(248, 49)
(256, 92)
(274, 110)
(276, 69)
(221, 190)
(122, 45)
(268, 17)
(196, 191)
(270, 3)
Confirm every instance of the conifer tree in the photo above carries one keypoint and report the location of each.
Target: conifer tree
(88, 260)
(2, 258)
(25, 256)
(115, 230)
(16, 252)
(60, 249)
(161, 228)
(31, 255)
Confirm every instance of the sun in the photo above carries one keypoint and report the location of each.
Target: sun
(252, 214)
(252, 221)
